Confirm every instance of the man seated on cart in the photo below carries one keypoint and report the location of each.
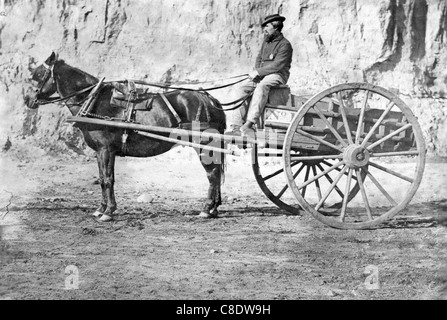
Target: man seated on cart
(272, 68)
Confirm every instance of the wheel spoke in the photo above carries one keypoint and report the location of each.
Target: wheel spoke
(328, 177)
(377, 124)
(331, 188)
(363, 192)
(299, 171)
(328, 124)
(308, 135)
(345, 119)
(338, 169)
(395, 133)
(294, 164)
(346, 197)
(361, 118)
(303, 193)
(379, 186)
(317, 183)
(281, 193)
(274, 174)
(318, 176)
(394, 173)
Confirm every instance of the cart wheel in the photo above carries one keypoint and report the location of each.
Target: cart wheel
(357, 135)
(268, 169)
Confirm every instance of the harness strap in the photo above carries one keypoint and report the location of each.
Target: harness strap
(168, 104)
(241, 100)
(199, 113)
(130, 106)
(86, 106)
(207, 110)
(169, 87)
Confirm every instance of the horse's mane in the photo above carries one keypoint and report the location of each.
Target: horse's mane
(76, 73)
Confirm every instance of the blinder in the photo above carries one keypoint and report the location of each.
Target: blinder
(42, 81)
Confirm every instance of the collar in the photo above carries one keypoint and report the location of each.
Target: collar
(275, 37)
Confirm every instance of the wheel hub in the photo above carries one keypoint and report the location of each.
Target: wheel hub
(356, 156)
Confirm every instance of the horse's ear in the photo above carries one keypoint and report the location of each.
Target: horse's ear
(52, 59)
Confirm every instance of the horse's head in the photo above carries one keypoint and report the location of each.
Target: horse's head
(46, 85)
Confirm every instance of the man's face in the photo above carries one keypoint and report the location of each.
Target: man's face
(269, 29)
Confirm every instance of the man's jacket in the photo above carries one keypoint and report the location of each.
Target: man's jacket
(275, 57)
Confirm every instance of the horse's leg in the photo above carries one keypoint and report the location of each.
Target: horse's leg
(106, 164)
(102, 207)
(214, 172)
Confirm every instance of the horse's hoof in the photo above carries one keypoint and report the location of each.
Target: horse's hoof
(214, 213)
(97, 213)
(208, 215)
(105, 218)
(204, 215)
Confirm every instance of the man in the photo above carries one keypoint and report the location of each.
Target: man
(271, 69)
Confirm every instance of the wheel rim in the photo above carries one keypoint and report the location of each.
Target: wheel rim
(362, 133)
(270, 178)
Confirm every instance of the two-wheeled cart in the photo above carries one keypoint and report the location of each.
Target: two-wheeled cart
(352, 155)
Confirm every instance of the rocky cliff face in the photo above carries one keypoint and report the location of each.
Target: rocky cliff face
(398, 44)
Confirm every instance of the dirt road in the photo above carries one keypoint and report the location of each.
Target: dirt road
(156, 250)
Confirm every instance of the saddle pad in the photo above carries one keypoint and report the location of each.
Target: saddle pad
(119, 100)
(121, 92)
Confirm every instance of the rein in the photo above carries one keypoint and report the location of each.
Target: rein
(59, 99)
(240, 101)
(164, 86)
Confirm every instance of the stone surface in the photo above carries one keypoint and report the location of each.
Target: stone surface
(400, 45)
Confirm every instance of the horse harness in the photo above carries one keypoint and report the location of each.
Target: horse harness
(133, 99)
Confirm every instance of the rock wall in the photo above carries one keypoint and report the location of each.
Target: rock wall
(398, 44)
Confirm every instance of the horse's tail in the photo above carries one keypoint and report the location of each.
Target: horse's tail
(208, 100)
(223, 156)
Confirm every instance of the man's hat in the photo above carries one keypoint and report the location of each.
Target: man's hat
(271, 18)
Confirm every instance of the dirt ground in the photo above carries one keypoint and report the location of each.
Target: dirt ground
(157, 250)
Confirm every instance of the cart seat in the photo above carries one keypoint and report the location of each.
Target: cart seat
(279, 95)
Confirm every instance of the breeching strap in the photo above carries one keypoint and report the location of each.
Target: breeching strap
(168, 104)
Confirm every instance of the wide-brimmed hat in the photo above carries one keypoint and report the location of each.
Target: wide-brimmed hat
(271, 18)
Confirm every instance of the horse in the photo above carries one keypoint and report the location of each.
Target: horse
(74, 85)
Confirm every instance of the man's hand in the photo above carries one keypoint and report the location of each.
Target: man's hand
(253, 75)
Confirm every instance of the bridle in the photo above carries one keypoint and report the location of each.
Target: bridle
(49, 74)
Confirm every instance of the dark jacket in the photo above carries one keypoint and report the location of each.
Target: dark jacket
(275, 57)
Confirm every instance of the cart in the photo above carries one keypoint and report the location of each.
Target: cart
(333, 155)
